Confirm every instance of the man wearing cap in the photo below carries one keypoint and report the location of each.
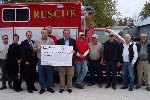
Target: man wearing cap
(49, 29)
(80, 60)
(112, 58)
(95, 58)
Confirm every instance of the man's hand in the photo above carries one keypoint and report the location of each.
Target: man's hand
(132, 65)
(19, 61)
(37, 49)
(118, 64)
(81, 56)
(101, 62)
(27, 63)
(73, 51)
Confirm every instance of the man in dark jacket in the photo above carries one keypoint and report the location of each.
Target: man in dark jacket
(14, 61)
(112, 58)
(67, 71)
(29, 60)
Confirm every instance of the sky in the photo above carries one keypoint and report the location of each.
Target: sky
(130, 8)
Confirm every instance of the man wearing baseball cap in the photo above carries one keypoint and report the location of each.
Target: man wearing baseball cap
(80, 60)
(95, 58)
(112, 58)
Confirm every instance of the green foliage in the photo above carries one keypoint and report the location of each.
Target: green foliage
(104, 12)
(146, 10)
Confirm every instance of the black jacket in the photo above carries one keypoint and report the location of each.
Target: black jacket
(27, 52)
(116, 51)
(71, 43)
(12, 57)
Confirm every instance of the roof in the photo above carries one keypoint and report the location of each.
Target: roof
(119, 27)
(144, 22)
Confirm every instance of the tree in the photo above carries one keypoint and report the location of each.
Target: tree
(146, 10)
(104, 12)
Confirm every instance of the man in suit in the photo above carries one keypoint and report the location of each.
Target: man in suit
(66, 70)
(29, 61)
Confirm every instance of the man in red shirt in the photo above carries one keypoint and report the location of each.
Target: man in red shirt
(49, 29)
(80, 60)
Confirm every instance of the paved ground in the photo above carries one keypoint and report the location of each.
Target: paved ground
(89, 93)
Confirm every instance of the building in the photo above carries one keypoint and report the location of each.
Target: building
(142, 27)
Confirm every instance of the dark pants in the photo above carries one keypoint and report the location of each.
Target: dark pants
(111, 68)
(16, 83)
(30, 72)
(4, 73)
(94, 66)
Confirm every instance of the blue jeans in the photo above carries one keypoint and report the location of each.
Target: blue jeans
(94, 66)
(81, 69)
(45, 75)
(127, 70)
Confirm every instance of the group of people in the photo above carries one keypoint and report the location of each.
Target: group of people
(20, 60)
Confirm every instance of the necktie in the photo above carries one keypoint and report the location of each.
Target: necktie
(31, 44)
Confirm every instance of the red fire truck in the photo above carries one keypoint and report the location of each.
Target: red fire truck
(21, 17)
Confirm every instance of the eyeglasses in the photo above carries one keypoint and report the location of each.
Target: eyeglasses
(5, 38)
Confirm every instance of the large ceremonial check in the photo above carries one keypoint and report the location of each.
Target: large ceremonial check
(56, 55)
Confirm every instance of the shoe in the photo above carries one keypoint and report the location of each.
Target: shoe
(50, 90)
(42, 91)
(124, 87)
(91, 84)
(21, 89)
(80, 86)
(30, 91)
(100, 85)
(148, 88)
(17, 90)
(53, 85)
(130, 89)
(114, 87)
(10, 86)
(3, 87)
(69, 90)
(34, 89)
(107, 86)
(137, 87)
(61, 90)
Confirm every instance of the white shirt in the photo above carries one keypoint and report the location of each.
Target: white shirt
(3, 51)
(125, 53)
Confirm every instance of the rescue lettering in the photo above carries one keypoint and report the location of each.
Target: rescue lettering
(55, 14)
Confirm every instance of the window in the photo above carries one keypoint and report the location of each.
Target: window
(9, 14)
(15, 15)
(22, 14)
(102, 35)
